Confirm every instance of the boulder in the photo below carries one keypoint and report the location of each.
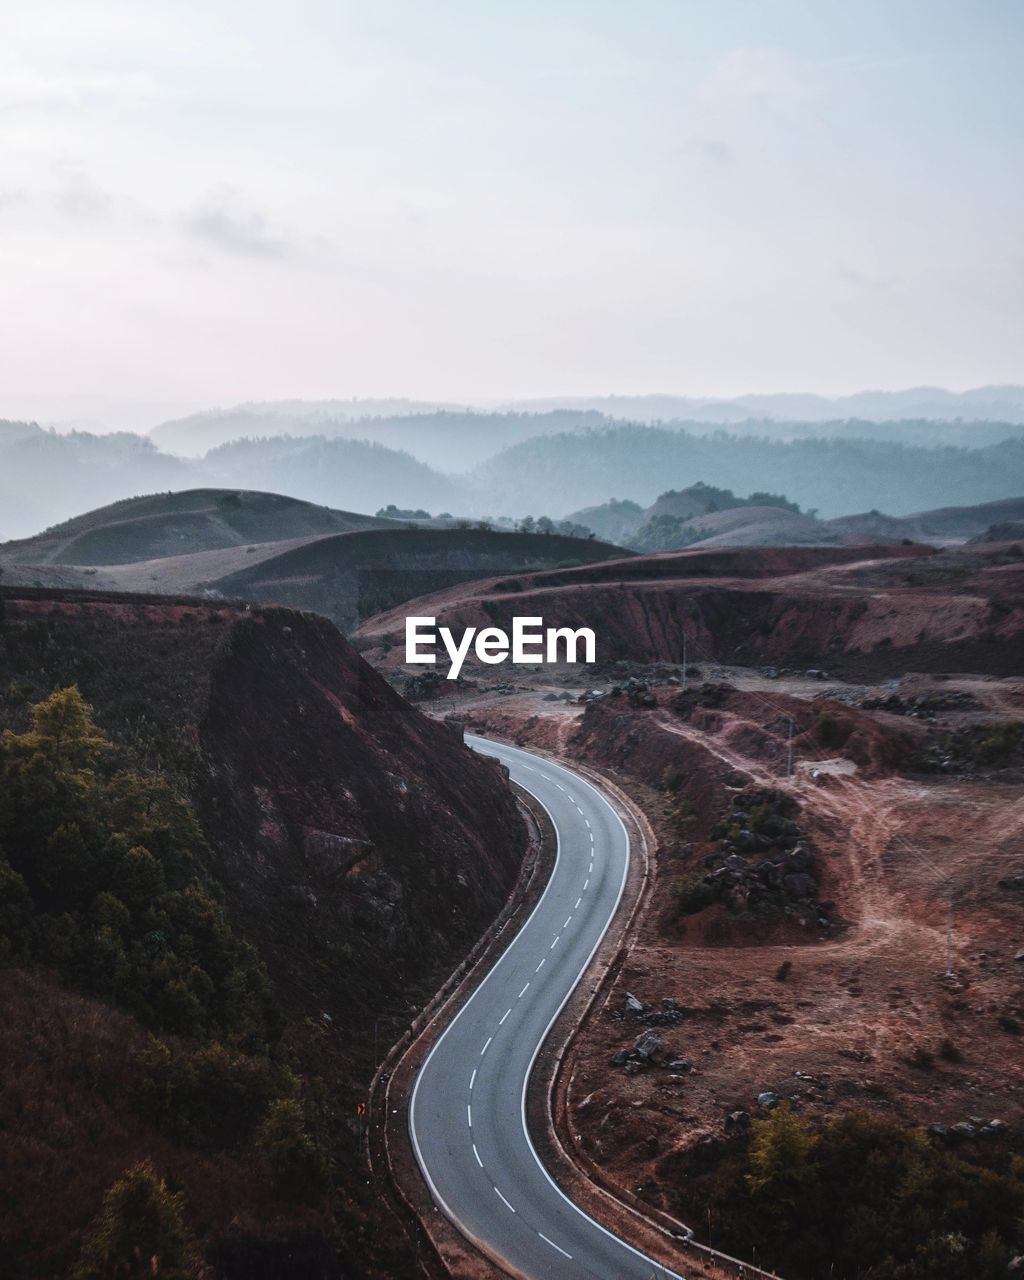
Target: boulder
(648, 1045)
(800, 885)
(633, 1004)
(768, 1100)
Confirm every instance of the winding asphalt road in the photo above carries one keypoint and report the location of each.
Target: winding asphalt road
(467, 1117)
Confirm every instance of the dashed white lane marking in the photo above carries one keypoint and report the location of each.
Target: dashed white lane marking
(503, 1017)
(477, 1154)
(503, 1200)
(591, 867)
(568, 921)
(555, 943)
(578, 901)
(559, 786)
(554, 1246)
(587, 821)
(538, 968)
(484, 1049)
(523, 992)
(591, 837)
(469, 1114)
(586, 883)
(472, 1078)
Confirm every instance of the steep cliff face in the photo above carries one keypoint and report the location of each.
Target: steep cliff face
(358, 846)
(345, 826)
(869, 610)
(342, 815)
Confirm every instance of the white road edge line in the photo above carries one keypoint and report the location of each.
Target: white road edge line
(555, 1246)
(439, 1199)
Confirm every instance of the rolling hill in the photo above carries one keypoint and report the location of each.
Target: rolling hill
(267, 548)
(176, 524)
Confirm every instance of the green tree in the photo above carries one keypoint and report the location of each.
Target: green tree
(300, 1172)
(780, 1155)
(138, 1233)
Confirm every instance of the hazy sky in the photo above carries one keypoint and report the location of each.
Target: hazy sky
(487, 198)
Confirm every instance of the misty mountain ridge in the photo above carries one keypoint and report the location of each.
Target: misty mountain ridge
(456, 437)
(45, 477)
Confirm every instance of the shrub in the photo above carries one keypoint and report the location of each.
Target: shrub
(211, 1097)
(921, 1059)
(784, 970)
(299, 1169)
(694, 895)
(831, 732)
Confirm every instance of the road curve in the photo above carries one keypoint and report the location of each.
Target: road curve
(467, 1116)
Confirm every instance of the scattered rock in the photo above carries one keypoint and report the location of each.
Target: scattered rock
(648, 1045)
(633, 1004)
(768, 1100)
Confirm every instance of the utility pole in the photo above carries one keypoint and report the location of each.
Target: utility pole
(949, 932)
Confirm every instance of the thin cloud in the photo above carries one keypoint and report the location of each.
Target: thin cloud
(715, 150)
(220, 224)
(24, 91)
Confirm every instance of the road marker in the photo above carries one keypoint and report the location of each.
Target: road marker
(586, 884)
(504, 1016)
(555, 943)
(469, 1114)
(523, 992)
(502, 1199)
(477, 1154)
(568, 920)
(538, 968)
(578, 901)
(553, 1245)
(484, 1049)
(472, 1078)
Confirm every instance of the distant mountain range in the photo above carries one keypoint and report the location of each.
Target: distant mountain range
(456, 437)
(457, 463)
